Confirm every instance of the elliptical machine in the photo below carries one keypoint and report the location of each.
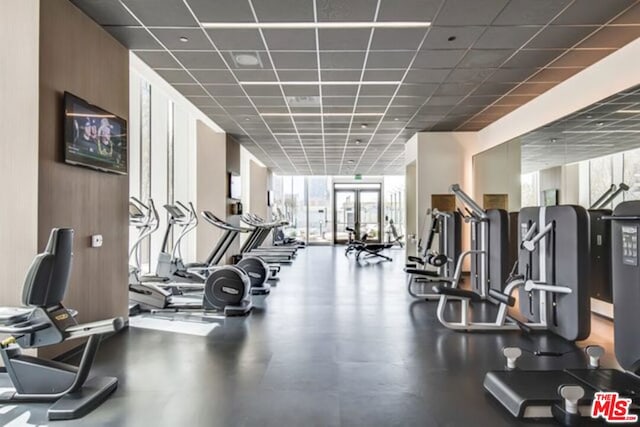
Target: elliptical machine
(225, 289)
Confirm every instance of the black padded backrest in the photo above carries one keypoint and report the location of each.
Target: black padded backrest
(48, 276)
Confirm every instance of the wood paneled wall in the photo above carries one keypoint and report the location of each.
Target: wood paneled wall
(78, 56)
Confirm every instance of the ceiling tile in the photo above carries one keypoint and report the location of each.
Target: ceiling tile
(469, 74)
(426, 75)
(157, 59)
(383, 75)
(236, 39)
(532, 58)
(438, 58)
(397, 38)
(190, 90)
(106, 12)
(172, 13)
(213, 76)
(630, 17)
(298, 75)
(581, 58)
(505, 37)
(560, 37)
(492, 88)
(263, 90)
(532, 88)
(611, 37)
(340, 10)
(417, 89)
(477, 58)
(176, 76)
(291, 39)
(464, 12)
(515, 99)
(337, 90)
(389, 59)
(206, 60)
(452, 37)
(306, 90)
(222, 10)
(255, 75)
(353, 60)
(225, 89)
(377, 90)
(449, 89)
(343, 39)
(294, 60)
(408, 10)
(527, 12)
(273, 10)
(554, 75)
(341, 75)
(586, 12)
(197, 40)
(134, 38)
(511, 75)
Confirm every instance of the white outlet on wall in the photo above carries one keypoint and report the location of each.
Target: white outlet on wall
(96, 241)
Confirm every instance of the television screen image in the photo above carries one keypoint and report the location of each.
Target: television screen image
(235, 187)
(94, 137)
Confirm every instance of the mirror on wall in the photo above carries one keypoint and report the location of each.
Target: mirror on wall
(581, 155)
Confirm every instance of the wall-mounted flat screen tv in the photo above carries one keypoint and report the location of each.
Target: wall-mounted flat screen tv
(94, 137)
(235, 187)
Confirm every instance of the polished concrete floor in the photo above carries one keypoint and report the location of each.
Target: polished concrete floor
(335, 344)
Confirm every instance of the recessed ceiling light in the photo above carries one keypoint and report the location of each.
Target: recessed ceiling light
(589, 116)
(600, 124)
(395, 119)
(323, 83)
(452, 38)
(364, 126)
(184, 39)
(320, 114)
(629, 111)
(358, 141)
(554, 140)
(351, 162)
(246, 59)
(314, 25)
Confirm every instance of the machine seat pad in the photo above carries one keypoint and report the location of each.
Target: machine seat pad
(455, 292)
(421, 272)
(416, 260)
(9, 315)
(377, 247)
(503, 298)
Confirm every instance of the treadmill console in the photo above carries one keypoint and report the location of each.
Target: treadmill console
(174, 211)
(630, 245)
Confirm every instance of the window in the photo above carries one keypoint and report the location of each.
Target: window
(145, 161)
(600, 177)
(530, 189)
(631, 173)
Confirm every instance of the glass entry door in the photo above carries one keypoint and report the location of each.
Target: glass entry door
(359, 208)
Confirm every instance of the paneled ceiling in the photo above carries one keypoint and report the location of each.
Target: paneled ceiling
(338, 86)
(609, 126)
